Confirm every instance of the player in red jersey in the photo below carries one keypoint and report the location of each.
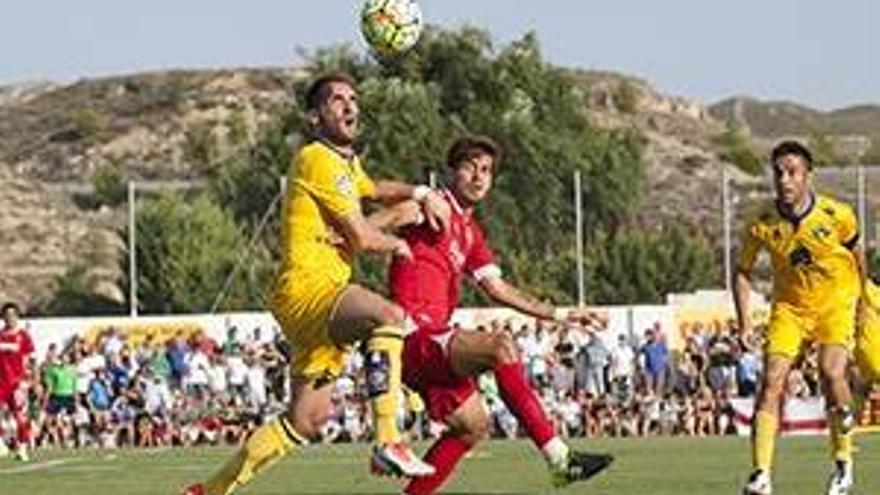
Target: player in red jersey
(441, 363)
(15, 347)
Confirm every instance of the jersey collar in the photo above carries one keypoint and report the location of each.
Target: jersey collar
(794, 218)
(456, 206)
(345, 155)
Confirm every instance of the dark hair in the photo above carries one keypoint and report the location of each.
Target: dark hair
(10, 305)
(792, 148)
(317, 92)
(468, 147)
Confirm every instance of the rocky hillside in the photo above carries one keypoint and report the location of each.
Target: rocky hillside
(852, 130)
(55, 139)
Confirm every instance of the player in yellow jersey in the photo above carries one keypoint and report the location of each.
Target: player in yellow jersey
(818, 274)
(320, 311)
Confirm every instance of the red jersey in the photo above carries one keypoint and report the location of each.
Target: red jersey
(428, 286)
(15, 346)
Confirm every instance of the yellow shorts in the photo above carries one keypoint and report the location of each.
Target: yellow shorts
(303, 305)
(790, 328)
(867, 351)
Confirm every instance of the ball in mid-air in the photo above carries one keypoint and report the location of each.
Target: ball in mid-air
(391, 27)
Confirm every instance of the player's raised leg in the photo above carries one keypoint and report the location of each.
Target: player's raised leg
(471, 353)
(362, 315)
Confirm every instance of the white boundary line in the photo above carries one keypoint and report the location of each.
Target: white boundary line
(37, 466)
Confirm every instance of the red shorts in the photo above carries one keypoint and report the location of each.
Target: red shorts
(12, 399)
(428, 371)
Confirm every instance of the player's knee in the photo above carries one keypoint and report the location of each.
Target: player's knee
(504, 349)
(480, 428)
(475, 429)
(833, 370)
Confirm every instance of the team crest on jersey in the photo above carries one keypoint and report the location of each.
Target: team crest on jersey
(345, 185)
(821, 232)
(800, 257)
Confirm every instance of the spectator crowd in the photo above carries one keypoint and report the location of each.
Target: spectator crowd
(191, 389)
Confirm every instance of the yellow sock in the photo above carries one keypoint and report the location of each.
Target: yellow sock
(383, 381)
(267, 444)
(765, 426)
(841, 443)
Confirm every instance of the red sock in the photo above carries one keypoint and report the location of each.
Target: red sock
(444, 456)
(23, 425)
(523, 402)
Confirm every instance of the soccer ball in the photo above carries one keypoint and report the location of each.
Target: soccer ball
(391, 27)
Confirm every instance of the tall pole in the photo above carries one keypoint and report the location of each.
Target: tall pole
(861, 198)
(726, 218)
(132, 259)
(579, 236)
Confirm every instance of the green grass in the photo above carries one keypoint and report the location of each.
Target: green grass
(661, 466)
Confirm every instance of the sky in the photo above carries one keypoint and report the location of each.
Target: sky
(822, 53)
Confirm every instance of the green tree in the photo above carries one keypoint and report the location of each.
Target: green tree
(74, 295)
(636, 266)
(185, 250)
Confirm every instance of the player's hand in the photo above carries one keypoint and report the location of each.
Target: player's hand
(401, 249)
(593, 318)
(437, 211)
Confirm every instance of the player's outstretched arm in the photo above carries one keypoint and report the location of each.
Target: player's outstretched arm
(436, 210)
(502, 292)
(361, 235)
(396, 216)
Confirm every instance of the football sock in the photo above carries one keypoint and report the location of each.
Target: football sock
(444, 456)
(268, 443)
(523, 402)
(841, 434)
(766, 425)
(383, 367)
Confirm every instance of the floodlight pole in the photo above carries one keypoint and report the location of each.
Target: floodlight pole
(579, 237)
(132, 258)
(725, 212)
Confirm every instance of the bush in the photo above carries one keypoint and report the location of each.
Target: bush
(110, 186)
(735, 148)
(626, 97)
(87, 123)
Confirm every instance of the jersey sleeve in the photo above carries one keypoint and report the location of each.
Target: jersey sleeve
(27, 344)
(848, 227)
(329, 183)
(480, 262)
(750, 245)
(366, 188)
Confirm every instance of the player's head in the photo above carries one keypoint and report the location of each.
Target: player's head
(473, 161)
(792, 172)
(11, 312)
(331, 102)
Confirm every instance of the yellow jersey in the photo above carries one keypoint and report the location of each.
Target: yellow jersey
(323, 185)
(811, 255)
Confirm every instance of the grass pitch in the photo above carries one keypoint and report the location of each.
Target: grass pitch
(656, 466)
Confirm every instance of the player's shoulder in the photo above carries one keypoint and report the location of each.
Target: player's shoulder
(833, 207)
(314, 157)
